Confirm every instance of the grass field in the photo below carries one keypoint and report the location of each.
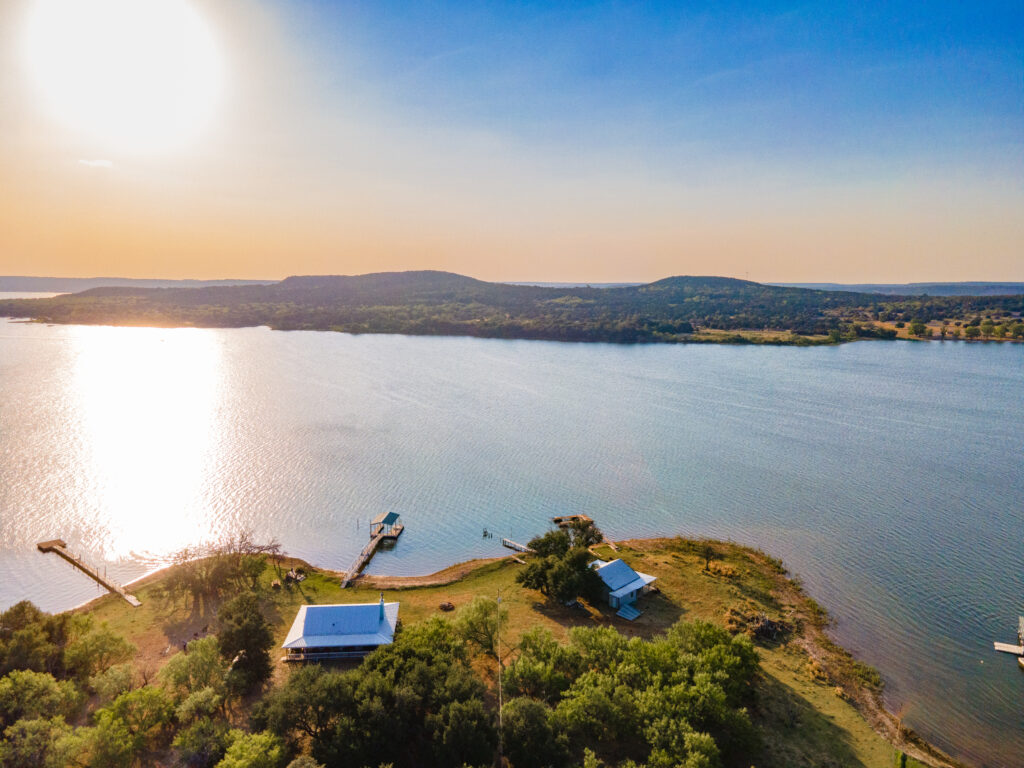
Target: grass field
(813, 698)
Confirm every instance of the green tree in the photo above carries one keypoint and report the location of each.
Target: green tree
(544, 668)
(253, 750)
(29, 648)
(28, 694)
(972, 332)
(465, 734)
(245, 640)
(113, 681)
(310, 702)
(202, 743)
(200, 666)
(37, 743)
(145, 715)
(94, 650)
(480, 624)
(304, 761)
(529, 739)
(563, 576)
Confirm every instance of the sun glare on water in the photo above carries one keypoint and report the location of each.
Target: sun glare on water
(145, 401)
(134, 75)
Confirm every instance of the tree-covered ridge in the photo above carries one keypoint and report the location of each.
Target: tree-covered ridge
(441, 303)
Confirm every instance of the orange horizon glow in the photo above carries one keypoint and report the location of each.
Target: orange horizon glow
(292, 173)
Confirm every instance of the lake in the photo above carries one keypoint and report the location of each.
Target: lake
(887, 475)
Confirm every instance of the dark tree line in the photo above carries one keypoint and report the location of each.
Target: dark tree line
(439, 303)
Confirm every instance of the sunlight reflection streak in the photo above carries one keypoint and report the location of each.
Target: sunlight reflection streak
(147, 401)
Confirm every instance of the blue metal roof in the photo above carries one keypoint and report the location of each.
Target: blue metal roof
(616, 574)
(620, 578)
(322, 626)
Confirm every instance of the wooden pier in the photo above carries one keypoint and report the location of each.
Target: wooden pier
(515, 545)
(1018, 649)
(60, 547)
(385, 527)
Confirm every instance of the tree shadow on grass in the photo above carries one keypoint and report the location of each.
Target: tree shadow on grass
(659, 612)
(181, 627)
(795, 734)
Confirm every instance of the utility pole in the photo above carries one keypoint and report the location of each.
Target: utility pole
(497, 652)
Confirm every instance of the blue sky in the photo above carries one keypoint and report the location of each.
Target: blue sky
(601, 141)
(882, 83)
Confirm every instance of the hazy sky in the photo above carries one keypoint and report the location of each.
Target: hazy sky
(836, 141)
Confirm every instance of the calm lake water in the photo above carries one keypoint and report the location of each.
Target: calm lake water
(887, 475)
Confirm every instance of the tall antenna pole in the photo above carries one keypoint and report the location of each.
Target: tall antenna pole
(497, 652)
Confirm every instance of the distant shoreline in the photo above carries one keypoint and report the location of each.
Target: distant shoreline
(675, 310)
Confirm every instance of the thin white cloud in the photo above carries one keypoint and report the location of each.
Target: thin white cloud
(97, 163)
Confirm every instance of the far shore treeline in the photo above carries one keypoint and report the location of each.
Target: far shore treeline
(676, 309)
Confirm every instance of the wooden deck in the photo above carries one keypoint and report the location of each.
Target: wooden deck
(390, 534)
(515, 545)
(60, 547)
(1009, 648)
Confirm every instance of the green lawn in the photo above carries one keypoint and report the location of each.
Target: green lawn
(804, 714)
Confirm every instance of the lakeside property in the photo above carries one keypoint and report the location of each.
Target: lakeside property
(869, 468)
(815, 704)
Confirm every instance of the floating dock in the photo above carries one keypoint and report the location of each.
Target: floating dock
(60, 547)
(385, 527)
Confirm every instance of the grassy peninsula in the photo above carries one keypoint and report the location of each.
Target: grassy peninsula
(676, 309)
(805, 702)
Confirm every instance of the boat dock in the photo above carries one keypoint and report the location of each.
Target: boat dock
(385, 527)
(60, 547)
(1010, 648)
(1018, 649)
(515, 545)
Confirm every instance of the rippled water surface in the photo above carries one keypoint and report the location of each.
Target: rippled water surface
(889, 476)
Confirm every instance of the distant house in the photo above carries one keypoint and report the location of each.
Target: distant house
(348, 631)
(624, 585)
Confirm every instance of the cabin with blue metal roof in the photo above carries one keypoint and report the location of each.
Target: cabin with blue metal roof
(624, 585)
(346, 631)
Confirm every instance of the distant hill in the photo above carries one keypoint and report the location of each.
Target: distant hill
(441, 303)
(22, 284)
(918, 289)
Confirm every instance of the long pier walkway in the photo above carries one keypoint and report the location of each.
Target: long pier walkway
(385, 527)
(60, 547)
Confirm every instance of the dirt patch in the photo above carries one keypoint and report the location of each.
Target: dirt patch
(447, 576)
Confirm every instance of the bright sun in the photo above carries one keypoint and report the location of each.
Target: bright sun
(137, 75)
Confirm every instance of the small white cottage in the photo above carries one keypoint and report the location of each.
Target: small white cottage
(624, 585)
(348, 631)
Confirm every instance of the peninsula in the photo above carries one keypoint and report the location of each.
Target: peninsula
(796, 699)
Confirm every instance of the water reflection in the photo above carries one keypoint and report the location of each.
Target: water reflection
(144, 404)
